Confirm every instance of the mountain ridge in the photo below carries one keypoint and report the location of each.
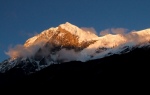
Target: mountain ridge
(128, 69)
(67, 43)
(115, 61)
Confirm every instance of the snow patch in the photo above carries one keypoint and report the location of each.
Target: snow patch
(83, 35)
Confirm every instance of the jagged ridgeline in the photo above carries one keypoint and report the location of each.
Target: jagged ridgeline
(67, 43)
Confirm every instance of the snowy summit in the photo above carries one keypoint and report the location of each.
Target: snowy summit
(68, 42)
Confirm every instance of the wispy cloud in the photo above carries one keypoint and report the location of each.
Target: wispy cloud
(28, 34)
(90, 29)
(113, 31)
(21, 51)
(32, 34)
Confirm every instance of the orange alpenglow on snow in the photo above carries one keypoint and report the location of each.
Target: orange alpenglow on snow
(83, 43)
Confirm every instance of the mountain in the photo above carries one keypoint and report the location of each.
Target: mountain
(68, 53)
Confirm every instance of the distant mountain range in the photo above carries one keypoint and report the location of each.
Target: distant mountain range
(68, 54)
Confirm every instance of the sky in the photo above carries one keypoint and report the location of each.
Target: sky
(22, 19)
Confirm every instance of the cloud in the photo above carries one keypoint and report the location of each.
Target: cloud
(104, 32)
(32, 34)
(21, 51)
(119, 30)
(15, 52)
(27, 34)
(67, 55)
(91, 29)
(113, 31)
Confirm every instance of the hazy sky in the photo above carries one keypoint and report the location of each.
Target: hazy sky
(21, 19)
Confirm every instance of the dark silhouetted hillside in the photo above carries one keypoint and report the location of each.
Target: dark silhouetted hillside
(126, 69)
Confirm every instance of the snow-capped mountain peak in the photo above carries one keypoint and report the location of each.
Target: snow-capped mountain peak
(67, 27)
(67, 43)
(83, 35)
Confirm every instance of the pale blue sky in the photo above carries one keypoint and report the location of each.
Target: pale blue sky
(21, 19)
